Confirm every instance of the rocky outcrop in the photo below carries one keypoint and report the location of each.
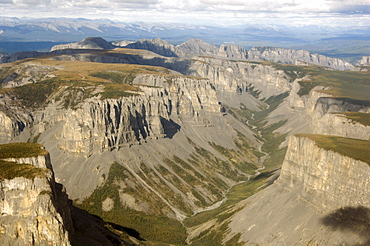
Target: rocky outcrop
(365, 60)
(330, 179)
(87, 43)
(237, 77)
(297, 57)
(232, 52)
(21, 55)
(339, 125)
(122, 43)
(34, 210)
(101, 125)
(324, 111)
(197, 47)
(157, 45)
(318, 191)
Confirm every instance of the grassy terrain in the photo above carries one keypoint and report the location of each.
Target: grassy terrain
(21, 150)
(353, 85)
(152, 229)
(362, 118)
(11, 170)
(354, 148)
(74, 81)
(214, 235)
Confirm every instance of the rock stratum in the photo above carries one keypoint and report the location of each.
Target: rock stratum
(321, 195)
(138, 136)
(34, 209)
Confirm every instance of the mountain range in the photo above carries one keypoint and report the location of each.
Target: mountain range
(148, 142)
(30, 34)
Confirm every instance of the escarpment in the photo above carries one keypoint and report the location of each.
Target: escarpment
(319, 190)
(101, 125)
(34, 209)
(339, 180)
(141, 135)
(237, 77)
(87, 43)
(333, 116)
(297, 57)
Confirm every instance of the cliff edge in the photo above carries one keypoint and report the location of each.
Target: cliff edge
(34, 210)
(320, 198)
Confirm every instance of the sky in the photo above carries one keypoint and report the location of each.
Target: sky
(211, 12)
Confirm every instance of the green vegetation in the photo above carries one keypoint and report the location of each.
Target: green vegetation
(354, 148)
(362, 118)
(214, 235)
(153, 229)
(73, 81)
(116, 77)
(352, 85)
(6, 72)
(34, 95)
(235, 156)
(11, 170)
(21, 150)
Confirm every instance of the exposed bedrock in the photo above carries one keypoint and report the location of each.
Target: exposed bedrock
(34, 210)
(320, 196)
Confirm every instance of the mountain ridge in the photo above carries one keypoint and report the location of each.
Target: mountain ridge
(187, 140)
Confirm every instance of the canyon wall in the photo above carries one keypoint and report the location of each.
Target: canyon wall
(318, 193)
(296, 57)
(34, 210)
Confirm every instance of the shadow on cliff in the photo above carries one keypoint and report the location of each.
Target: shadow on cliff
(350, 219)
(91, 230)
(170, 127)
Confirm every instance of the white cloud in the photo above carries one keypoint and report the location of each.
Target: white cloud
(199, 11)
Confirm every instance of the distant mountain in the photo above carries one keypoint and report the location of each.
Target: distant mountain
(87, 43)
(195, 48)
(14, 32)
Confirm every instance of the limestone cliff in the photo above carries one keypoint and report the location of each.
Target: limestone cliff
(34, 209)
(318, 191)
(328, 115)
(297, 57)
(197, 47)
(87, 43)
(365, 60)
(100, 125)
(237, 77)
(232, 52)
(157, 45)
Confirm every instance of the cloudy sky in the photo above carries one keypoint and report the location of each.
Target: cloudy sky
(217, 12)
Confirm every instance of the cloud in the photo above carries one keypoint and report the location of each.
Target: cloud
(199, 11)
(352, 9)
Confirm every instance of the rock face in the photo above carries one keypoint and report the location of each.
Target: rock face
(232, 52)
(325, 113)
(332, 179)
(365, 60)
(237, 77)
(198, 47)
(297, 57)
(166, 139)
(103, 125)
(157, 45)
(87, 43)
(317, 191)
(34, 211)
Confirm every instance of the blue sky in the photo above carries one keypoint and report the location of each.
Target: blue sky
(212, 12)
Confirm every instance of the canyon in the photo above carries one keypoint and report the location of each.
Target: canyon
(194, 143)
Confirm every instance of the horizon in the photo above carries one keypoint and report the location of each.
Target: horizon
(332, 13)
